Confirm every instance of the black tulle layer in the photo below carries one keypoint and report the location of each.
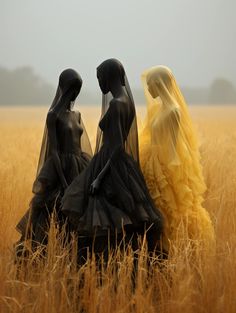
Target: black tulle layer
(72, 165)
(122, 201)
(48, 192)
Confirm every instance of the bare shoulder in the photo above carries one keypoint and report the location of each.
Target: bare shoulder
(118, 104)
(117, 101)
(78, 115)
(175, 114)
(51, 118)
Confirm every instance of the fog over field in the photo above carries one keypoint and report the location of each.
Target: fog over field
(194, 38)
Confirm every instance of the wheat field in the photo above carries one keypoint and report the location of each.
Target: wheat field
(189, 281)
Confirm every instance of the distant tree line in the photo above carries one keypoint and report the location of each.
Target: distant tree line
(23, 86)
(221, 91)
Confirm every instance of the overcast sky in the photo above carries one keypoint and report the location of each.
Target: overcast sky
(196, 38)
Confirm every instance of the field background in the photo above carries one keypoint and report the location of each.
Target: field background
(203, 283)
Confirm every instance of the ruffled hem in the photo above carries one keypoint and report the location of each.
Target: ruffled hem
(177, 191)
(47, 195)
(122, 200)
(48, 178)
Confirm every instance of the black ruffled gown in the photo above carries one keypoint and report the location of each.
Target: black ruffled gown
(123, 201)
(47, 187)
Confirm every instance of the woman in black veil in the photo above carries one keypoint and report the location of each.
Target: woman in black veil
(110, 197)
(65, 152)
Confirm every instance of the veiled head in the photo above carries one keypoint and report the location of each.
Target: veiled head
(109, 72)
(159, 83)
(70, 80)
(159, 78)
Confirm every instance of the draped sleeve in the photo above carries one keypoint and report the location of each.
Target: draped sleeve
(85, 142)
(165, 132)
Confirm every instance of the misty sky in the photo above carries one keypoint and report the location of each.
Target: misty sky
(196, 38)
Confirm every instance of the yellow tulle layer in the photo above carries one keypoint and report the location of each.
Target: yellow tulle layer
(177, 191)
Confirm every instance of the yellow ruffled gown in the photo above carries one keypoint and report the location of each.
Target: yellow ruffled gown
(170, 162)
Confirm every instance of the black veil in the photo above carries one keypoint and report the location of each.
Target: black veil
(68, 89)
(108, 69)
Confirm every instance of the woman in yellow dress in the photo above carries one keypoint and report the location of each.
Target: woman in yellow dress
(170, 160)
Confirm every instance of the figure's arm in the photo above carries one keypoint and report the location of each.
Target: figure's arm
(51, 125)
(167, 126)
(115, 153)
(84, 139)
(96, 183)
(174, 122)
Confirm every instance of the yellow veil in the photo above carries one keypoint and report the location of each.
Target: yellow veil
(168, 119)
(171, 159)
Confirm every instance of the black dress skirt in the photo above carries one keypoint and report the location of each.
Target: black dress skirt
(37, 218)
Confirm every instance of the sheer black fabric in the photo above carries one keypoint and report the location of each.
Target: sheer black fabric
(122, 201)
(131, 141)
(73, 150)
(68, 89)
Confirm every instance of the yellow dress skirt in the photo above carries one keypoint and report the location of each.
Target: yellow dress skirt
(177, 191)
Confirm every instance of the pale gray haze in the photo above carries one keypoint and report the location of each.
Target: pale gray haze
(195, 38)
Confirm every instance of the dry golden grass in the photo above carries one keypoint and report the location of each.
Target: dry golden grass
(190, 281)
